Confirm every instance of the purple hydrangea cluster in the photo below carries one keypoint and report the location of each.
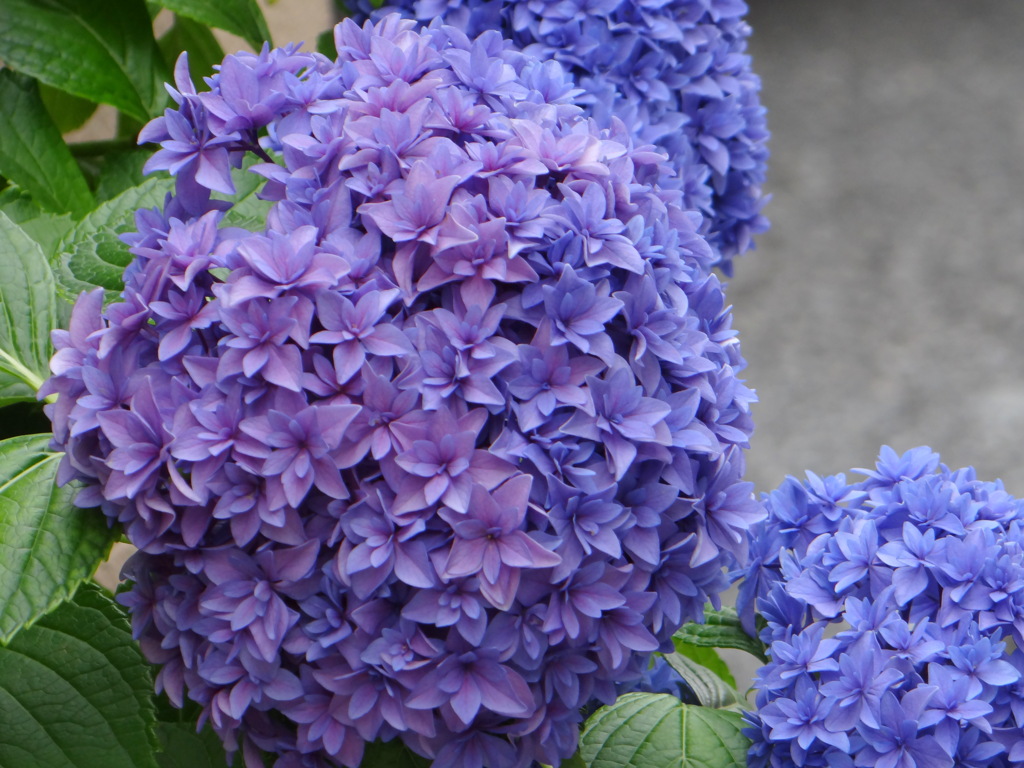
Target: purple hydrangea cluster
(894, 615)
(675, 72)
(444, 451)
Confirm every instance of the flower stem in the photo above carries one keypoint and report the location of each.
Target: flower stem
(16, 367)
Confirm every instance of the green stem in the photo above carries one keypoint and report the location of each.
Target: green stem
(257, 150)
(23, 373)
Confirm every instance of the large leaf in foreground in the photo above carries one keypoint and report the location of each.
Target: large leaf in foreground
(27, 314)
(243, 17)
(75, 691)
(121, 170)
(101, 50)
(655, 730)
(68, 112)
(91, 254)
(33, 153)
(47, 546)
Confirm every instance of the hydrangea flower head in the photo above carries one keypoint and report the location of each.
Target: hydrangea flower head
(675, 72)
(894, 615)
(445, 449)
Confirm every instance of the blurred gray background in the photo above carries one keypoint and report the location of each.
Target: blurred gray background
(884, 306)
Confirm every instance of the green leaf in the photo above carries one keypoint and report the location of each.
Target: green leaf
(248, 211)
(203, 49)
(121, 171)
(27, 314)
(181, 746)
(721, 629)
(325, 44)
(576, 761)
(710, 689)
(68, 112)
(91, 254)
(75, 691)
(392, 754)
(48, 546)
(707, 657)
(33, 153)
(243, 17)
(101, 50)
(655, 730)
(47, 229)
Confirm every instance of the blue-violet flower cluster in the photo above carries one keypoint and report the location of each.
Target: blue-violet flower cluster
(443, 451)
(676, 72)
(921, 571)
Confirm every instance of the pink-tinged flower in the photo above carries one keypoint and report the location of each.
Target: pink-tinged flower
(618, 415)
(464, 682)
(416, 209)
(442, 464)
(296, 451)
(354, 329)
(490, 541)
(257, 343)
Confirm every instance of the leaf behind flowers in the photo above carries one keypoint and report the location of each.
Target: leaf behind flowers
(100, 50)
(721, 629)
(91, 254)
(710, 689)
(242, 17)
(47, 545)
(709, 658)
(32, 151)
(28, 312)
(46, 228)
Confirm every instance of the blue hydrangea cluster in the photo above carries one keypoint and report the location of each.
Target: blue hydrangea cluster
(894, 615)
(675, 72)
(445, 448)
